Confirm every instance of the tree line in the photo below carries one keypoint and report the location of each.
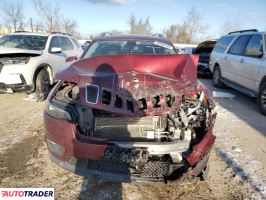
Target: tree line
(49, 19)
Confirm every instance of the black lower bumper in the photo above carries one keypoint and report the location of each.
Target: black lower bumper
(111, 171)
(15, 87)
(204, 69)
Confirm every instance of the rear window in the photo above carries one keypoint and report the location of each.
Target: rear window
(77, 44)
(223, 43)
(66, 44)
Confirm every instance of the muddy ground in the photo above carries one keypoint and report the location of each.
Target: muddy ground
(238, 161)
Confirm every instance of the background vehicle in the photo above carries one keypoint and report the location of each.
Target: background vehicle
(189, 50)
(84, 43)
(204, 50)
(180, 47)
(238, 60)
(28, 60)
(131, 109)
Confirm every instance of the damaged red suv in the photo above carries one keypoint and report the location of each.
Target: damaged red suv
(131, 109)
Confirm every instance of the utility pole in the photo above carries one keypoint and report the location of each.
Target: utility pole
(31, 25)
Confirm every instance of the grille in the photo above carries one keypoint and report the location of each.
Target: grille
(153, 169)
(108, 166)
(92, 93)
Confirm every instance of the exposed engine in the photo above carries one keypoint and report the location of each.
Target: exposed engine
(182, 128)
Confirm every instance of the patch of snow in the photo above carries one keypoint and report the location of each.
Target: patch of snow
(224, 95)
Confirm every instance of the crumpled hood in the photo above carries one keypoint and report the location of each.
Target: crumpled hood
(9, 50)
(134, 77)
(178, 68)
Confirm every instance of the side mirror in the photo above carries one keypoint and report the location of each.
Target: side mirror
(55, 50)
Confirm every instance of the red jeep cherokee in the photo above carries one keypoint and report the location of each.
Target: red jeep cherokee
(130, 109)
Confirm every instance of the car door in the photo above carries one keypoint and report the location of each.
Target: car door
(233, 58)
(56, 58)
(248, 68)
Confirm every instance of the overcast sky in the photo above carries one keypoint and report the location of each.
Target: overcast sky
(94, 16)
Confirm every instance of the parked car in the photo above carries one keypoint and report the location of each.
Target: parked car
(85, 44)
(28, 60)
(204, 50)
(239, 61)
(131, 109)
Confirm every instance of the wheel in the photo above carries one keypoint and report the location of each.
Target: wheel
(217, 77)
(261, 99)
(205, 172)
(42, 85)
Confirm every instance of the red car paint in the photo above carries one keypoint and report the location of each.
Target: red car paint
(135, 77)
(132, 77)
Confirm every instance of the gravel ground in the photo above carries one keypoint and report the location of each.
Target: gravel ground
(237, 161)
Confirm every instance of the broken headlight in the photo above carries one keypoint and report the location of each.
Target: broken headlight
(57, 112)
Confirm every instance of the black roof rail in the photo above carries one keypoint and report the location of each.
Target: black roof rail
(160, 35)
(58, 32)
(243, 31)
(104, 34)
(22, 32)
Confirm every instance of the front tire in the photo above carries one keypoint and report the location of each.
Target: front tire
(42, 85)
(261, 99)
(217, 77)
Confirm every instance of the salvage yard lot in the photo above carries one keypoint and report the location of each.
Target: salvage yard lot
(238, 161)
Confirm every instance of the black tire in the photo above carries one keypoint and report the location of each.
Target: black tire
(204, 174)
(217, 78)
(261, 99)
(42, 85)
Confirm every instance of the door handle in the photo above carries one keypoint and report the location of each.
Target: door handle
(241, 60)
(225, 57)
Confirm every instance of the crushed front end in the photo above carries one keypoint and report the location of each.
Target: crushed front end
(131, 118)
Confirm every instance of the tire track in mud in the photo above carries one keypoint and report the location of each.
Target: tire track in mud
(14, 160)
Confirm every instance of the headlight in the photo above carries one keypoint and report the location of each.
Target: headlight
(57, 112)
(13, 61)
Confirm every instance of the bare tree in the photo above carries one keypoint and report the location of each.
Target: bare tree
(13, 15)
(189, 30)
(49, 14)
(171, 33)
(139, 26)
(183, 35)
(69, 26)
(192, 27)
(231, 24)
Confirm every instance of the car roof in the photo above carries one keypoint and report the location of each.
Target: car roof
(28, 33)
(245, 32)
(38, 33)
(133, 37)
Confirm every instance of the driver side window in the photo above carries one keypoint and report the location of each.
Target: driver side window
(55, 42)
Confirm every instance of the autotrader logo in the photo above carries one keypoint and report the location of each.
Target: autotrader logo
(27, 193)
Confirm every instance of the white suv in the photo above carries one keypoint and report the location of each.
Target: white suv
(28, 60)
(239, 61)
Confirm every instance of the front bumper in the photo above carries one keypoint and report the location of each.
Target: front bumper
(16, 82)
(87, 156)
